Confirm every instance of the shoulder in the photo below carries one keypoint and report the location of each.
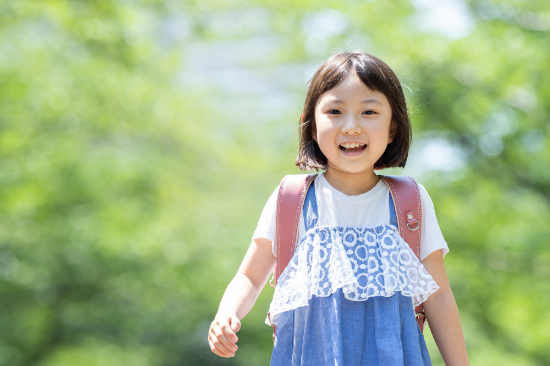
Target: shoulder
(292, 182)
(406, 185)
(271, 203)
(425, 197)
(298, 178)
(432, 238)
(422, 189)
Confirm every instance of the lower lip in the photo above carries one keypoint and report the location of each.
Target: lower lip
(352, 153)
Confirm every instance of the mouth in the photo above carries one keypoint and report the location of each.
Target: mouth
(352, 146)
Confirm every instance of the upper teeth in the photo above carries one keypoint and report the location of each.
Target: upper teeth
(349, 145)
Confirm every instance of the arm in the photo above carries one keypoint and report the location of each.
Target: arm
(240, 296)
(442, 314)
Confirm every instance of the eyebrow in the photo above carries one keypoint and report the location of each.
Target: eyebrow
(366, 101)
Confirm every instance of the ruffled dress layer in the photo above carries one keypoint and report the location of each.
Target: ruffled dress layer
(347, 297)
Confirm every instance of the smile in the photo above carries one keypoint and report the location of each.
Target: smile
(352, 146)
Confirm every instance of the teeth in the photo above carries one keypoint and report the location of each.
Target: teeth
(351, 145)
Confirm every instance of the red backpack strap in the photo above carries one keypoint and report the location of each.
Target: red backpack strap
(292, 193)
(408, 209)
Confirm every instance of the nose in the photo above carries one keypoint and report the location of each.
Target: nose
(351, 126)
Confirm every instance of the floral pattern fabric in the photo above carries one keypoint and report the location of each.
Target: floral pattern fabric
(363, 262)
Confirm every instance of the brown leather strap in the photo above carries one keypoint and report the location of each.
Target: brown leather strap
(408, 209)
(292, 193)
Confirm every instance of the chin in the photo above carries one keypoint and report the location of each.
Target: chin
(353, 169)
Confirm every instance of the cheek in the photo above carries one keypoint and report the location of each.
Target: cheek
(325, 132)
(322, 128)
(323, 124)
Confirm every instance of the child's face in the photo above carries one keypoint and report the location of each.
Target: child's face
(352, 125)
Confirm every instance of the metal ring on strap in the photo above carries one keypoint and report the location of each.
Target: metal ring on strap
(416, 228)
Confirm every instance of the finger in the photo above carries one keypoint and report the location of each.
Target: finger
(218, 352)
(228, 335)
(235, 324)
(215, 345)
(218, 348)
(228, 332)
(213, 349)
(220, 336)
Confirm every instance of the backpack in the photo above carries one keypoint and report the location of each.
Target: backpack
(292, 193)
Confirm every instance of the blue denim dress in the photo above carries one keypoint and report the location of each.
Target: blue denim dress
(361, 318)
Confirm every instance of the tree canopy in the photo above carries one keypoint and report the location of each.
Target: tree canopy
(140, 140)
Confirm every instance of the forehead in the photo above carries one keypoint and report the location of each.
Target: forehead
(352, 89)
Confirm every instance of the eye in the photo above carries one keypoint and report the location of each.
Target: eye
(333, 111)
(369, 112)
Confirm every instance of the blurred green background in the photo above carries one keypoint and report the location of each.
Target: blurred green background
(140, 140)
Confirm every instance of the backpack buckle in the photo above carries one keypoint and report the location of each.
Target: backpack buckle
(412, 220)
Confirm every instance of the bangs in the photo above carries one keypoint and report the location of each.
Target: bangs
(377, 76)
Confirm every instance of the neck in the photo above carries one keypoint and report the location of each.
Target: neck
(349, 183)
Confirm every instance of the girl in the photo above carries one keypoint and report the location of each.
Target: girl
(354, 122)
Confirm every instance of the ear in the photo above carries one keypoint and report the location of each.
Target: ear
(393, 131)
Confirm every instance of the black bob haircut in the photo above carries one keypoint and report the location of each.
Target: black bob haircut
(376, 75)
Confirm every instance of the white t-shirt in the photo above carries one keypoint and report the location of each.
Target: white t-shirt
(369, 209)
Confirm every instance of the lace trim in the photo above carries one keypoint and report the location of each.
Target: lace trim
(363, 262)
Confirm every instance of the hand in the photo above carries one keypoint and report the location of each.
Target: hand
(222, 337)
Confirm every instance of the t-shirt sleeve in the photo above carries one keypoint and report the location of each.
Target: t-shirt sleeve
(432, 238)
(266, 223)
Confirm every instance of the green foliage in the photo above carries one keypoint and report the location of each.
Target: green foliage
(139, 142)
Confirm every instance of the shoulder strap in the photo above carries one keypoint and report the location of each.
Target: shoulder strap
(408, 209)
(292, 193)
